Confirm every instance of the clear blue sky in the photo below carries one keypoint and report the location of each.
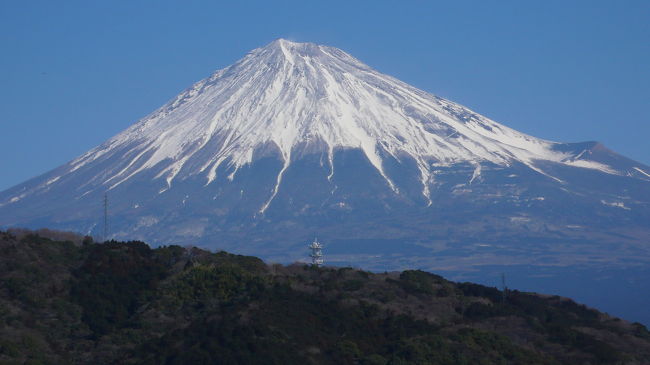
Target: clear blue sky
(74, 73)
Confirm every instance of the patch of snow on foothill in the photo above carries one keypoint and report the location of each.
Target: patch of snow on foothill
(285, 94)
(615, 204)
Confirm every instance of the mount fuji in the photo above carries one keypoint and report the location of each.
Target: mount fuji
(298, 139)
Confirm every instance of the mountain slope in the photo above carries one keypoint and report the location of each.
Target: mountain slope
(296, 98)
(289, 100)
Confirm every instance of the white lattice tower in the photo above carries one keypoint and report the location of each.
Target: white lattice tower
(316, 253)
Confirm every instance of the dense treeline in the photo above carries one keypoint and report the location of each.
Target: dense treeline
(68, 300)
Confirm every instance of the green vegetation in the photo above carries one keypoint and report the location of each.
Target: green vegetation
(113, 281)
(72, 301)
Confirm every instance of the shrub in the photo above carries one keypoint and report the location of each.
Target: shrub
(418, 282)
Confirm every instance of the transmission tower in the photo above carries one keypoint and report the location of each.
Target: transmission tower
(316, 253)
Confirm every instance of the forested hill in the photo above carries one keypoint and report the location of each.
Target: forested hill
(66, 300)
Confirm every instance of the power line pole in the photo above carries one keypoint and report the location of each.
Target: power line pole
(504, 287)
(105, 217)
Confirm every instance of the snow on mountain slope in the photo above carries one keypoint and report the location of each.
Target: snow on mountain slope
(288, 97)
(288, 94)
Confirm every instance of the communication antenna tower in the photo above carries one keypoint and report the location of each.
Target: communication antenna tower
(105, 217)
(316, 253)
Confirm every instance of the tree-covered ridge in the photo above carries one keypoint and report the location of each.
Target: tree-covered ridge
(67, 300)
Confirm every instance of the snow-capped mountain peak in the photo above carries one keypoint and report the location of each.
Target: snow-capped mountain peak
(289, 97)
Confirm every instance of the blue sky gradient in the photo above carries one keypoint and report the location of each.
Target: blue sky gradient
(75, 73)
